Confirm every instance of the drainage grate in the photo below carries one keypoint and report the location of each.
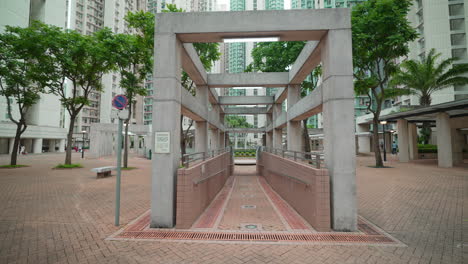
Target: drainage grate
(268, 237)
(248, 206)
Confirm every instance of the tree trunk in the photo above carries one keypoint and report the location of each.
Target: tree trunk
(375, 141)
(68, 158)
(127, 122)
(14, 152)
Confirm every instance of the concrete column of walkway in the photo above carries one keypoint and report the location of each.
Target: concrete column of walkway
(403, 140)
(28, 145)
(338, 127)
(277, 133)
(166, 118)
(201, 127)
(363, 141)
(413, 141)
(37, 145)
(269, 135)
(444, 141)
(11, 145)
(213, 139)
(61, 145)
(52, 145)
(222, 140)
(457, 142)
(294, 136)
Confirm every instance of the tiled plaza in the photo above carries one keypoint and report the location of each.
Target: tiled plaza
(66, 216)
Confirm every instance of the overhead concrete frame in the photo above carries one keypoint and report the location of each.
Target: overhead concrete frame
(328, 32)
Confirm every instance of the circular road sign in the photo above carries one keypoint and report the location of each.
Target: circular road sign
(120, 101)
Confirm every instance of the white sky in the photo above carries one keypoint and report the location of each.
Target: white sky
(287, 3)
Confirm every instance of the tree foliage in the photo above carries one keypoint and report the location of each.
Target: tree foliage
(381, 33)
(83, 60)
(22, 76)
(428, 76)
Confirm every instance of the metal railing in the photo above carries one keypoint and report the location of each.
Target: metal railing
(187, 159)
(314, 158)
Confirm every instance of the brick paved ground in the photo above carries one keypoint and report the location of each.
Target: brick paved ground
(63, 216)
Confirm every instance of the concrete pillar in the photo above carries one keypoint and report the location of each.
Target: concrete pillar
(339, 128)
(201, 127)
(28, 143)
(412, 141)
(403, 140)
(37, 145)
(11, 145)
(457, 143)
(166, 119)
(61, 145)
(52, 145)
(222, 140)
(277, 133)
(294, 135)
(363, 141)
(235, 141)
(444, 141)
(213, 139)
(269, 139)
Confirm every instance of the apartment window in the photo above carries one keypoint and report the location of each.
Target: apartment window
(458, 39)
(456, 10)
(459, 53)
(457, 24)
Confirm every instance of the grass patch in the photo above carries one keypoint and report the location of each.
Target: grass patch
(13, 166)
(128, 168)
(68, 166)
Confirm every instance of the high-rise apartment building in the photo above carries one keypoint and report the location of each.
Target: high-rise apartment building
(315, 4)
(441, 25)
(46, 129)
(87, 17)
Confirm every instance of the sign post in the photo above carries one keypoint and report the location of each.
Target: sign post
(119, 102)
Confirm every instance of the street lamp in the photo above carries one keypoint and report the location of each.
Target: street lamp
(83, 143)
(383, 123)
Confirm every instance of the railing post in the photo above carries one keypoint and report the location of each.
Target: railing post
(204, 156)
(317, 161)
(295, 153)
(282, 153)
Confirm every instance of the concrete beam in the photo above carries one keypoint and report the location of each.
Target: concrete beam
(192, 65)
(193, 108)
(281, 121)
(288, 25)
(245, 100)
(245, 110)
(262, 79)
(307, 60)
(281, 95)
(246, 130)
(307, 106)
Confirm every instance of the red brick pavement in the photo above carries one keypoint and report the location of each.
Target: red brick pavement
(56, 216)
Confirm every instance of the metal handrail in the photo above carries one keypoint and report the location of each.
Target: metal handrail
(315, 158)
(191, 157)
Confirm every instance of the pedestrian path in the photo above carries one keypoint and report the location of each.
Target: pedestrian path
(248, 210)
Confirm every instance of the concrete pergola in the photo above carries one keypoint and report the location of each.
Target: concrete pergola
(328, 36)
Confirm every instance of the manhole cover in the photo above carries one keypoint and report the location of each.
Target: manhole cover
(248, 206)
(251, 226)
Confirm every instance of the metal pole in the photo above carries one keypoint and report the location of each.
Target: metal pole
(384, 145)
(117, 180)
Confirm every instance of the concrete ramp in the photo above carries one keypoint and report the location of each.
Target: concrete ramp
(245, 161)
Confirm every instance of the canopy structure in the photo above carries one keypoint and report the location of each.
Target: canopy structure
(328, 36)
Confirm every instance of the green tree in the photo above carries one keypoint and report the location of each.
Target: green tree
(381, 33)
(427, 76)
(266, 59)
(133, 59)
(235, 121)
(22, 75)
(83, 60)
